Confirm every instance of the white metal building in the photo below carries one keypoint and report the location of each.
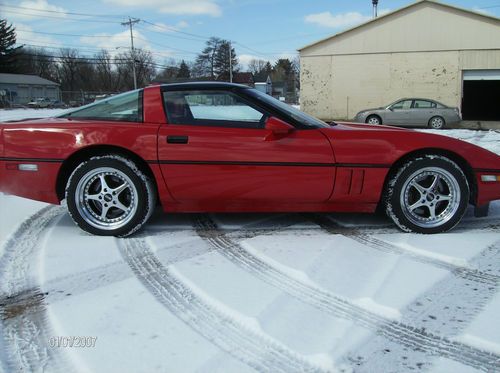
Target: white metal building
(21, 88)
(427, 49)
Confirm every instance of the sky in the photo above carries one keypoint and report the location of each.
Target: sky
(178, 29)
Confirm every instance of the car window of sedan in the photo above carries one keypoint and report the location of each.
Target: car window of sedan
(125, 107)
(211, 108)
(424, 104)
(402, 105)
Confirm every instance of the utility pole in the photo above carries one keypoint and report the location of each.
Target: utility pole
(375, 6)
(230, 63)
(130, 23)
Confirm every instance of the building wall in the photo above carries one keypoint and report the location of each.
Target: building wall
(402, 55)
(423, 27)
(22, 94)
(337, 87)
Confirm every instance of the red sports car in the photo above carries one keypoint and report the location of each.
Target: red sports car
(218, 147)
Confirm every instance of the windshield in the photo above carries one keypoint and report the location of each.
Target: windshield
(296, 114)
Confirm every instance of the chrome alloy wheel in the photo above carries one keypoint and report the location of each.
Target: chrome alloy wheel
(430, 197)
(106, 198)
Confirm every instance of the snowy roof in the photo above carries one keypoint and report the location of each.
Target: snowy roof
(389, 14)
(25, 79)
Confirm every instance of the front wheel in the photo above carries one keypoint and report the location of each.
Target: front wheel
(109, 196)
(374, 119)
(427, 195)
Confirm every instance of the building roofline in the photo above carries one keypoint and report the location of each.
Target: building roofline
(445, 5)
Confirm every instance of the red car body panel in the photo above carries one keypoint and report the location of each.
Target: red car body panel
(342, 168)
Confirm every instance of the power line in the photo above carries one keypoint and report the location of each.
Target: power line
(89, 60)
(166, 46)
(61, 34)
(173, 29)
(59, 18)
(108, 36)
(490, 7)
(169, 34)
(94, 50)
(64, 12)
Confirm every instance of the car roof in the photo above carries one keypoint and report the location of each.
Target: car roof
(203, 85)
(416, 98)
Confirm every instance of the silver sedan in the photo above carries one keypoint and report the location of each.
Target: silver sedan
(411, 112)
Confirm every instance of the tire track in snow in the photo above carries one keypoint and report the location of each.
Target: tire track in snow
(257, 350)
(446, 308)
(25, 326)
(380, 245)
(60, 288)
(403, 334)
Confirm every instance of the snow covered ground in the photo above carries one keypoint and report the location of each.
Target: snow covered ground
(248, 292)
(17, 114)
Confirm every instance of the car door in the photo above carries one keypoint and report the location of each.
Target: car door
(399, 112)
(215, 151)
(423, 111)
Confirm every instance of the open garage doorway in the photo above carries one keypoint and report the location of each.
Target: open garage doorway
(481, 95)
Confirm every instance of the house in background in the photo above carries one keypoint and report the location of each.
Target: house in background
(265, 87)
(244, 78)
(426, 49)
(21, 88)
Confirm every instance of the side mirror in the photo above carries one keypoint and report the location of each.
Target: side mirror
(278, 127)
(391, 108)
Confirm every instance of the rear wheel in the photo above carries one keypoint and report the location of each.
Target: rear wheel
(373, 119)
(436, 123)
(110, 196)
(428, 195)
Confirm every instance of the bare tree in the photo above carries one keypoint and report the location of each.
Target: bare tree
(36, 61)
(68, 69)
(105, 73)
(144, 67)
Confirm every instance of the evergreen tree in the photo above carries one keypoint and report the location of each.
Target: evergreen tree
(8, 52)
(205, 62)
(184, 71)
(222, 66)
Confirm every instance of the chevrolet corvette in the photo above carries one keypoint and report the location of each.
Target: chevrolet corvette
(220, 147)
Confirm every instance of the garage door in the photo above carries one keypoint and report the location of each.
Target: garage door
(50, 92)
(481, 95)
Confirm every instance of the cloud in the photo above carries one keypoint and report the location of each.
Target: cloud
(244, 59)
(26, 35)
(188, 7)
(120, 42)
(483, 11)
(327, 19)
(38, 5)
(115, 43)
(163, 27)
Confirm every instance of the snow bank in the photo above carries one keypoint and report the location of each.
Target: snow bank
(486, 139)
(18, 114)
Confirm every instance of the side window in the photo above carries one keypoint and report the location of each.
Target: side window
(126, 107)
(211, 108)
(424, 104)
(402, 105)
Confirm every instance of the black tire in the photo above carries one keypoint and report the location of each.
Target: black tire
(374, 119)
(415, 204)
(110, 196)
(437, 123)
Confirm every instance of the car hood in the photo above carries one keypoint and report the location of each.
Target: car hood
(383, 145)
(372, 109)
